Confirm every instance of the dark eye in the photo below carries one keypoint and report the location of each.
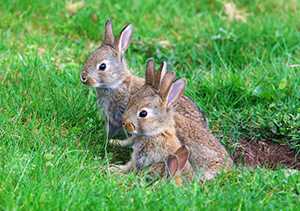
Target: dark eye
(102, 66)
(143, 114)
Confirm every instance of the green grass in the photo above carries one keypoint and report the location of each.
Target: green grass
(52, 145)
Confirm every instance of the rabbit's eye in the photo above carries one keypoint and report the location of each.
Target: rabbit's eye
(102, 66)
(143, 113)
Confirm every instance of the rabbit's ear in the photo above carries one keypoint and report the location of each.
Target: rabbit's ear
(160, 75)
(172, 165)
(109, 38)
(150, 72)
(166, 83)
(182, 155)
(124, 39)
(175, 92)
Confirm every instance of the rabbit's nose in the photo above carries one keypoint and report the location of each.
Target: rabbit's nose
(129, 126)
(83, 77)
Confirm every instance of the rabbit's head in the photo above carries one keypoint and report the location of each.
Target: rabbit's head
(150, 110)
(106, 66)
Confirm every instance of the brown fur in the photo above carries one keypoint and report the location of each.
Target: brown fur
(207, 154)
(113, 102)
(166, 83)
(176, 165)
(149, 150)
(153, 136)
(114, 86)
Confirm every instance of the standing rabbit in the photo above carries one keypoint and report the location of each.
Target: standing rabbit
(152, 119)
(107, 71)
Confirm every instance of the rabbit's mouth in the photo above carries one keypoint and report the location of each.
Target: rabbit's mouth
(96, 84)
(90, 82)
(129, 126)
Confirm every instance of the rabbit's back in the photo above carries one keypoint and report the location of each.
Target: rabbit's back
(206, 151)
(187, 108)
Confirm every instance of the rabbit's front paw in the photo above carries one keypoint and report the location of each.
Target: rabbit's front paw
(121, 143)
(115, 142)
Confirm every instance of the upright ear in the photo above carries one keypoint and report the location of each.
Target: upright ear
(172, 165)
(166, 83)
(182, 155)
(109, 38)
(124, 39)
(150, 72)
(159, 75)
(175, 92)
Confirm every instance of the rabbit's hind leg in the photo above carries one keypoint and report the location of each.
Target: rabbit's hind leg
(122, 168)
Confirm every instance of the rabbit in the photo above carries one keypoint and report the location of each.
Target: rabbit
(153, 110)
(106, 70)
(149, 119)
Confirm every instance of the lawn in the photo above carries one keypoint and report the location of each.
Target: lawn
(244, 71)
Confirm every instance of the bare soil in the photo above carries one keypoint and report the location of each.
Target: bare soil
(266, 154)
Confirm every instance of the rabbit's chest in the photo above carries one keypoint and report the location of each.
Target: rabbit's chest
(112, 103)
(113, 106)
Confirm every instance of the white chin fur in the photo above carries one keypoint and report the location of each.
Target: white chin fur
(97, 85)
(147, 134)
(110, 86)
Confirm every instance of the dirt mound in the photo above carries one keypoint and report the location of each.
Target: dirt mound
(266, 154)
